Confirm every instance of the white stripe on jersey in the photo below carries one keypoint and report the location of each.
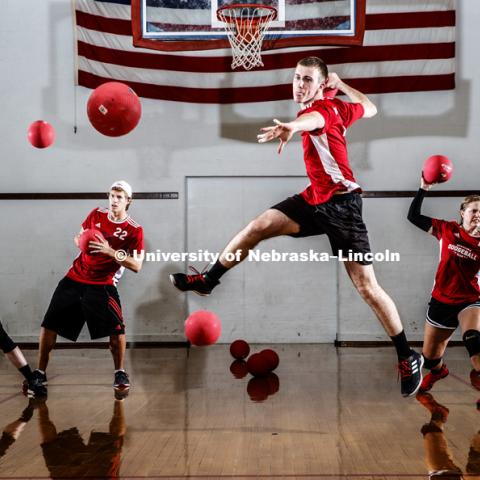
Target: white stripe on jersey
(132, 222)
(329, 163)
(102, 210)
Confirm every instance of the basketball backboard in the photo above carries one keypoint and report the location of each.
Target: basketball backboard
(193, 24)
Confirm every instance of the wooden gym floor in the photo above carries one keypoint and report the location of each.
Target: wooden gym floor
(338, 414)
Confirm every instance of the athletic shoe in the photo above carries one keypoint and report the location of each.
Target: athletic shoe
(410, 372)
(475, 379)
(37, 384)
(121, 382)
(433, 376)
(439, 412)
(199, 283)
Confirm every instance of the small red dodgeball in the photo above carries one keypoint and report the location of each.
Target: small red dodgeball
(257, 365)
(239, 349)
(41, 134)
(271, 358)
(87, 236)
(202, 328)
(437, 169)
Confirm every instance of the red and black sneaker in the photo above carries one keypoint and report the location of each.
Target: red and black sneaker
(199, 283)
(432, 377)
(410, 373)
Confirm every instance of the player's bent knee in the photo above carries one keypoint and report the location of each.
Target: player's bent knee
(260, 227)
(471, 339)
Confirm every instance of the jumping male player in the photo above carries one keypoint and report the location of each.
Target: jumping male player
(330, 205)
(88, 292)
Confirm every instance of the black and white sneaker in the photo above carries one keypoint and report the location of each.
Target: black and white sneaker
(121, 381)
(410, 372)
(199, 283)
(37, 385)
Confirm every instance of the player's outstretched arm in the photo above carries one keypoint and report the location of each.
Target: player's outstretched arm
(285, 131)
(355, 96)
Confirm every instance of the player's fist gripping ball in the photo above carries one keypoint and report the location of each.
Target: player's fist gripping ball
(437, 169)
(41, 134)
(114, 109)
(203, 328)
(87, 236)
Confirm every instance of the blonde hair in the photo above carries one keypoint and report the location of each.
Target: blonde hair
(469, 199)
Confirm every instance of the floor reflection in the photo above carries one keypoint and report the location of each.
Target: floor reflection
(438, 457)
(67, 455)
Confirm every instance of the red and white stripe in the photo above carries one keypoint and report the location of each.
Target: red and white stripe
(409, 45)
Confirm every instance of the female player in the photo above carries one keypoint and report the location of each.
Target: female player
(456, 293)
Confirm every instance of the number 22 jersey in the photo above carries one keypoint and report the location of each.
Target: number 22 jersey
(99, 269)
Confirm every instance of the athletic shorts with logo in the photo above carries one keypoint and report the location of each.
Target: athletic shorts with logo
(445, 315)
(73, 304)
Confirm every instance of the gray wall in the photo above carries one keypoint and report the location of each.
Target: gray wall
(182, 147)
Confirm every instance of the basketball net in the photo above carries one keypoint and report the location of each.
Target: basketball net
(246, 25)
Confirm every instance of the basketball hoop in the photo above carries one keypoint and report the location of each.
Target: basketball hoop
(246, 25)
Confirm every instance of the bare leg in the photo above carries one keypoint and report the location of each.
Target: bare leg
(118, 345)
(363, 277)
(470, 320)
(269, 224)
(435, 341)
(47, 341)
(16, 358)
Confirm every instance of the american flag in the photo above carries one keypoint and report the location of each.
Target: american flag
(409, 45)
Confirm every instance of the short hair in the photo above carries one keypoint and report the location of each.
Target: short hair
(315, 62)
(469, 199)
(118, 189)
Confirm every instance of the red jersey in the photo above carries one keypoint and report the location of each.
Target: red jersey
(457, 277)
(98, 268)
(325, 150)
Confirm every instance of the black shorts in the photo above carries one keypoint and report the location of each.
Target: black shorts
(445, 315)
(74, 303)
(340, 219)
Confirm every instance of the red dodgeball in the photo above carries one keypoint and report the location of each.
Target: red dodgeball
(203, 328)
(87, 236)
(257, 365)
(239, 349)
(114, 109)
(271, 358)
(437, 169)
(41, 134)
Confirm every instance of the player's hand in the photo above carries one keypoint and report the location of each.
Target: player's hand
(283, 131)
(333, 81)
(102, 246)
(424, 185)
